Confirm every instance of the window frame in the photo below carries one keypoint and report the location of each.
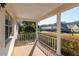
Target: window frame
(8, 31)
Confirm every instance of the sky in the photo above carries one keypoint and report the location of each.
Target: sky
(67, 16)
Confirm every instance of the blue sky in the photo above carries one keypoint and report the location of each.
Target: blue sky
(67, 16)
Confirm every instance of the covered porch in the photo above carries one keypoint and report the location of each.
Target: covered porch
(37, 44)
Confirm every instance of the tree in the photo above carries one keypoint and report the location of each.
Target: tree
(27, 27)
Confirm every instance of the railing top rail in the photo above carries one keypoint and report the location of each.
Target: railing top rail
(47, 35)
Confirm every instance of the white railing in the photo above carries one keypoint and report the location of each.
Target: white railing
(50, 41)
(26, 36)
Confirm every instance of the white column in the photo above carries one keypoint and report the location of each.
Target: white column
(36, 30)
(13, 39)
(15, 30)
(59, 33)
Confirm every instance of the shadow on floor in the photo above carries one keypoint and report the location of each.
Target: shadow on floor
(32, 50)
(28, 50)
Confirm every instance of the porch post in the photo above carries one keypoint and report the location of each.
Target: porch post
(36, 30)
(58, 34)
(15, 29)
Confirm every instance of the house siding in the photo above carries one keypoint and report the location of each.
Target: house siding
(2, 29)
(5, 49)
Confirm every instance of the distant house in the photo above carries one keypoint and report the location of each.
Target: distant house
(65, 27)
(69, 27)
(46, 27)
(73, 27)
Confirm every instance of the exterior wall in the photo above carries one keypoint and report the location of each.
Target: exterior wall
(6, 50)
(2, 29)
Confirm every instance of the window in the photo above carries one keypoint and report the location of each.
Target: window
(8, 28)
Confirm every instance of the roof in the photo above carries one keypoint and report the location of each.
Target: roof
(36, 11)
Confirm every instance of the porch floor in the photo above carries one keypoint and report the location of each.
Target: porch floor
(27, 49)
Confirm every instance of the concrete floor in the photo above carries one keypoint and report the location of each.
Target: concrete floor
(26, 50)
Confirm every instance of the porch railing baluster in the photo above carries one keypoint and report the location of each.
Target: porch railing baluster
(48, 40)
(26, 36)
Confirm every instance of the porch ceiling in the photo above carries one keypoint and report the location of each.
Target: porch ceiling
(36, 11)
